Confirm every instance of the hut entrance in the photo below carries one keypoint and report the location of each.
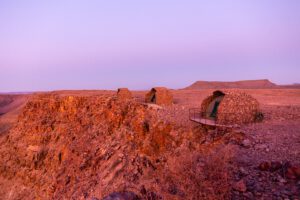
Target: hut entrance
(215, 110)
(212, 109)
(153, 98)
(159, 96)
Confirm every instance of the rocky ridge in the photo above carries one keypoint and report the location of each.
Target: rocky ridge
(75, 147)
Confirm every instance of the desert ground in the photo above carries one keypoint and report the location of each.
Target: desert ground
(59, 145)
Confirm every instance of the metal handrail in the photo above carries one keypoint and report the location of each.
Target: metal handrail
(197, 114)
(199, 111)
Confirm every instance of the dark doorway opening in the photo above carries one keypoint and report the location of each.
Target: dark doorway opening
(153, 98)
(215, 110)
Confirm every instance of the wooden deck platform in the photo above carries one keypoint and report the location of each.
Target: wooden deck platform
(208, 122)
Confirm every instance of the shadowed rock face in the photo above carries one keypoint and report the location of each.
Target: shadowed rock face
(9, 103)
(5, 100)
(10, 107)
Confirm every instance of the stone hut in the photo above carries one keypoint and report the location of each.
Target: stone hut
(124, 93)
(159, 96)
(231, 107)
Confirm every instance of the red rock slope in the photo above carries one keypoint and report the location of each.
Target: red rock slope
(74, 147)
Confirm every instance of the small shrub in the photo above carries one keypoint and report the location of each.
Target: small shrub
(207, 176)
(259, 117)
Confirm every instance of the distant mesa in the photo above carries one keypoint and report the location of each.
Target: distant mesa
(247, 84)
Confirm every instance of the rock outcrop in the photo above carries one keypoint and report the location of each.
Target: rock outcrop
(74, 147)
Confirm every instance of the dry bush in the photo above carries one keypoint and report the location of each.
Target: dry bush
(206, 176)
(4, 127)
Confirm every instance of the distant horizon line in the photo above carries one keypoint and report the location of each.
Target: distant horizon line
(110, 89)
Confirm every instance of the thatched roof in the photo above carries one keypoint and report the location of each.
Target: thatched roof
(124, 93)
(235, 107)
(160, 96)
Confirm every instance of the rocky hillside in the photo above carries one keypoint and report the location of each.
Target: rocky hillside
(10, 103)
(76, 147)
(10, 106)
(249, 84)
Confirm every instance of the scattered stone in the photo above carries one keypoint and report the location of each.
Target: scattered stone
(243, 171)
(281, 180)
(258, 194)
(240, 186)
(276, 166)
(143, 190)
(173, 189)
(261, 147)
(122, 196)
(289, 171)
(152, 196)
(33, 148)
(270, 166)
(248, 195)
(246, 143)
(264, 166)
(293, 172)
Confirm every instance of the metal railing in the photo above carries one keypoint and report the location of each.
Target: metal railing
(207, 118)
(195, 113)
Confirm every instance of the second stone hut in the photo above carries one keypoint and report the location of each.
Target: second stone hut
(124, 93)
(159, 96)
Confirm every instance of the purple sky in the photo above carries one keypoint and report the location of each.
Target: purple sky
(95, 44)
